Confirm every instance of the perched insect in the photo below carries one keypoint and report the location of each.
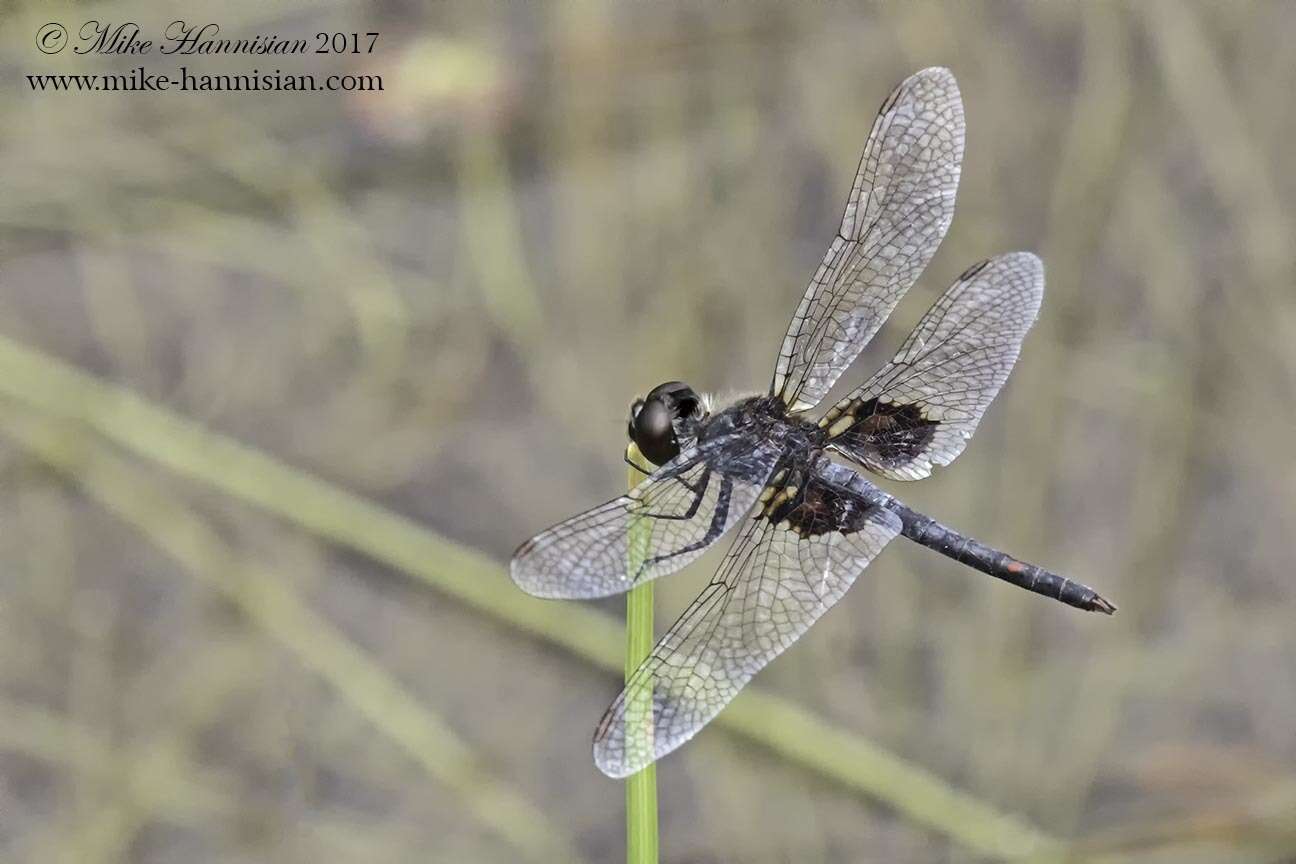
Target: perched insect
(815, 523)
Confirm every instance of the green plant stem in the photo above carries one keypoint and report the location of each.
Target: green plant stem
(641, 788)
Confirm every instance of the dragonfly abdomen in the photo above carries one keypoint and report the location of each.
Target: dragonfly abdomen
(928, 532)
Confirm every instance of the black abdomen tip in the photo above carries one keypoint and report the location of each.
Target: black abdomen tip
(1101, 604)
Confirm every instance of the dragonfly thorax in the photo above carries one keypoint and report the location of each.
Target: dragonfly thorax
(665, 420)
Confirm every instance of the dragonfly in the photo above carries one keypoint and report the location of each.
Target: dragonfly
(812, 521)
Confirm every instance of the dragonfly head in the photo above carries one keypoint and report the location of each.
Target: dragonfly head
(666, 420)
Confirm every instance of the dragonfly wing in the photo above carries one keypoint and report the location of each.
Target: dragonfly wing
(899, 208)
(920, 409)
(793, 561)
(658, 527)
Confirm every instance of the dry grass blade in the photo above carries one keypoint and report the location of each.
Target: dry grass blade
(267, 601)
(49, 737)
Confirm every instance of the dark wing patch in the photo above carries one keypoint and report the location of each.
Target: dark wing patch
(790, 564)
(899, 208)
(661, 525)
(815, 508)
(894, 435)
(920, 409)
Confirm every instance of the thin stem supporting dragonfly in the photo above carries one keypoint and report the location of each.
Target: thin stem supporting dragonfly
(641, 787)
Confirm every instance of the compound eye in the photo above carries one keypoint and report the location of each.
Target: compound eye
(654, 432)
(635, 408)
(678, 394)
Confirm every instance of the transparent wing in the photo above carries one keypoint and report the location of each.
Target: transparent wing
(790, 564)
(665, 522)
(900, 206)
(920, 409)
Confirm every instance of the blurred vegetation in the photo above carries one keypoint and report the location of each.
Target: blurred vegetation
(284, 377)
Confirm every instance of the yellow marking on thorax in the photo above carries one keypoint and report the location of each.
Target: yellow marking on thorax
(775, 500)
(841, 425)
(836, 411)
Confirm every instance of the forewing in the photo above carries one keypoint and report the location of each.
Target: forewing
(790, 564)
(900, 206)
(661, 525)
(920, 409)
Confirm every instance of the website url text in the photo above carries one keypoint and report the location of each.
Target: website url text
(140, 80)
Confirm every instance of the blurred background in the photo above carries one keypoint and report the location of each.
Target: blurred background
(285, 377)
